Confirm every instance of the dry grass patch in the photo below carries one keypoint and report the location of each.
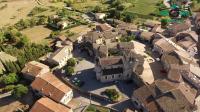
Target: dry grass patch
(37, 34)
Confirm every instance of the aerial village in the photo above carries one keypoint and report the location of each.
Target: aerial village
(111, 66)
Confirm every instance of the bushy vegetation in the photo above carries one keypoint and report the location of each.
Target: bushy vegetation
(113, 94)
(19, 90)
(11, 78)
(27, 23)
(71, 62)
(94, 108)
(37, 10)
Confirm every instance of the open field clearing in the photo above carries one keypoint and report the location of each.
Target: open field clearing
(15, 10)
(143, 7)
(37, 33)
(80, 29)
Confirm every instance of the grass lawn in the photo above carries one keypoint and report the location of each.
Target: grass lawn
(88, 5)
(94, 108)
(37, 34)
(143, 7)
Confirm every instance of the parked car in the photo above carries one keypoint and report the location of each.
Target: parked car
(78, 82)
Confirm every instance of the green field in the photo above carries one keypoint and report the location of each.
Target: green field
(143, 7)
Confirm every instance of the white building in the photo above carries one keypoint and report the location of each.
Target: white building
(60, 56)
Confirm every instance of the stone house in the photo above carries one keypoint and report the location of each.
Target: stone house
(93, 37)
(60, 56)
(45, 104)
(34, 69)
(100, 16)
(103, 27)
(164, 96)
(173, 29)
(164, 46)
(146, 36)
(50, 86)
(188, 41)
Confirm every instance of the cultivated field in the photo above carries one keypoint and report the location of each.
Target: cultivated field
(37, 33)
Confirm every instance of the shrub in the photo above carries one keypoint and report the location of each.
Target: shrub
(69, 70)
(113, 94)
(9, 88)
(19, 91)
(10, 78)
(71, 62)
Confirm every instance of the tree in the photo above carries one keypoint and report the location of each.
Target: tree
(164, 23)
(97, 9)
(69, 70)
(11, 78)
(71, 62)
(22, 42)
(19, 91)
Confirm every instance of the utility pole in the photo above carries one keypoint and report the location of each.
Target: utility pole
(90, 99)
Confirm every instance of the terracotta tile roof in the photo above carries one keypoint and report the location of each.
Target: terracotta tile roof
(170, 59)
(147, 35)
(110, 34)
(125, 45)
(51, 86)
(163, 94)
(165, 45)
(174, 75)
(34, 68)
(48, 105)
(103, 27)
(117, 60)
(92, 36)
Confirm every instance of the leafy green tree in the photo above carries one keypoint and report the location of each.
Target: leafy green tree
(164, 23)
(71, 62)
(97, 8)
(19, 91)
(69, 70)
(11, 78)
(23, 42)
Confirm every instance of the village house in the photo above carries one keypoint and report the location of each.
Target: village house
(163, 46)
(146, 36)
(50, 86)
(34, 69)
(125, 46)
(45, 104)
(169, 59)
(103, 27)
(100, 16)
(175, 28)
(164, 96)
(191, 73)
(60, 56)
(62, 24)
(93, 37)
(188, 41)
(110, 36)
(101, 51)
(126, 27)
(197, 22)
(151, 23)
(4, 57)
